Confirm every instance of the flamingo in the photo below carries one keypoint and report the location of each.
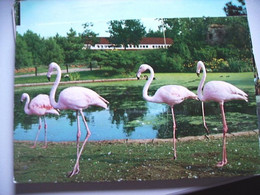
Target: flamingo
(77, 99)
(39, 106)
(218, 91)
(168, 94)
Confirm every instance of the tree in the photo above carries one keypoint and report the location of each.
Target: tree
(23, 57)
(126, 32)
(99, 56)
(52, 52)
(152, 33)
(89, 37)
(35, 46)
(73, 47)
(233, 10)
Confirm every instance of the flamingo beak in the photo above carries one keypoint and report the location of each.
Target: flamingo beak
(49, 78)
(198, 74)
(138, 75)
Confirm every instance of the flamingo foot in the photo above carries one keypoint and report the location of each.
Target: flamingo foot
(45, 146)
(34, 146)
(174, 157)
(222, 163)
(207, 136)
(74, 172)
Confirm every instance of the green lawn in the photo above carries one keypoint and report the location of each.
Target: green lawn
(185, 79)
(135, 161)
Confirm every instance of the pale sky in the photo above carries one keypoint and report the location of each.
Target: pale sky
(49, 17)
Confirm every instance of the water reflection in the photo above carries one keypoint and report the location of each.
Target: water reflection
(129, 116)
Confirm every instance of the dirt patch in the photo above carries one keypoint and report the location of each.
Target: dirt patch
(25, 70)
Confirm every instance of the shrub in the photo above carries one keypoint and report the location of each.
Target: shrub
(75, 76)
(219, 65)
(237, 65)
(206, 53)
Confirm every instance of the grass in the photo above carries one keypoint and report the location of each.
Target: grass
(43, 69)
(136, 161)
(190, 80)
(84, 75)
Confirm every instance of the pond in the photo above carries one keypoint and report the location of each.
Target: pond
(131, 117)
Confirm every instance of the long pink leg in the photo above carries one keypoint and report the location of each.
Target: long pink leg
(225, 129)
(45, 133)
(39, 129)
(76, 167)
(78, 132)
(174, 135)
(203, 117)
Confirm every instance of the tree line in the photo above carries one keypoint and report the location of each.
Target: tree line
(191, 36)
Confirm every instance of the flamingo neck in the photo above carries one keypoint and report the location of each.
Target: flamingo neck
(202, 81)
(26, 106)
(54, 88)
(147, 85)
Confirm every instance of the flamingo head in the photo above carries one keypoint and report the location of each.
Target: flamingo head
(24, 96)
(199, 66)
(52, 66)
(141, 69)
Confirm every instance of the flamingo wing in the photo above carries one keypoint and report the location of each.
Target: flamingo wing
(80, 98)
(222, 91)
(40, 105)
(173, 94)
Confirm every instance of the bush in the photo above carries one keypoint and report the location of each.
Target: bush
(75, 76)
(124, 62)
(237, 65)
(219, 65)
(206, 53)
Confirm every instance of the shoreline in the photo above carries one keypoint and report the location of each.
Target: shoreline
(156, 140)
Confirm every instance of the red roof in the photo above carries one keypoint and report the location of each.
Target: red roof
(145, 40)
(104, 40)
(155, 40)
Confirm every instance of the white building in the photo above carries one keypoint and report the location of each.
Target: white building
(145, 43)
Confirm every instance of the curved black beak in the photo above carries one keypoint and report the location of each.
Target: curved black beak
(137, 77)
(198, 74)
(49, 78)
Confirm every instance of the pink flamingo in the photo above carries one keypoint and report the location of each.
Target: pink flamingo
(169, 94)
(78, 99)
(39, 106)
(218, 91)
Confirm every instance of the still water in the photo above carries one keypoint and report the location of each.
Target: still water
(130, 117)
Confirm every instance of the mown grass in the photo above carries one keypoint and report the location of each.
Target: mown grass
(135, 161)
(189, 80)
(83, 75)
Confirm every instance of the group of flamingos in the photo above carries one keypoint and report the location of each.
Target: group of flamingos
(80, 98)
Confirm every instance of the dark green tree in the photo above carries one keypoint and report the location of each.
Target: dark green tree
(73, 47)
(35, 46)
(100, 57)
(126, 32)
(52, 52)
(89, 37)
(23, 57)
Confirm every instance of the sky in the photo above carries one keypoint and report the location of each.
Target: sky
(49, 17)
